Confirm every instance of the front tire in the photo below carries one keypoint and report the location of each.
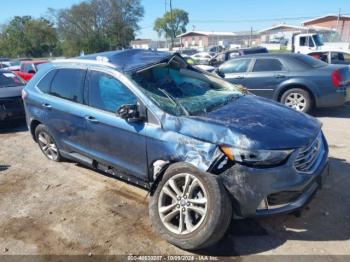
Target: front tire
(189, 208)
(47, 143)
(298, 99)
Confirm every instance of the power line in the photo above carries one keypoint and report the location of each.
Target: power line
(256, 20)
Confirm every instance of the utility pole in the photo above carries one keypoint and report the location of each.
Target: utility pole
(338, 20)
(251, 37)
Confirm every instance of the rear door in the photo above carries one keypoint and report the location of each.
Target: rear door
(266, 74)
(235, 71)
(62, 108)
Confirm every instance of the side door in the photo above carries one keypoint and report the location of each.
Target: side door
(339, 58)
(113, 140)
(265, 76)
(306, 44)
(62, 108)
(235, 71)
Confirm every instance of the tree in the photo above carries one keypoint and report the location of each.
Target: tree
(29, 37)
(172, 24)
(98, 25)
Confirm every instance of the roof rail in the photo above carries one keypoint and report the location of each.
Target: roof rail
(84, 61)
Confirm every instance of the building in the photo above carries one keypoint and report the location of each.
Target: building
(203, 39)
(246, 38)
(275, 33)
(337, 23)
(147, 44)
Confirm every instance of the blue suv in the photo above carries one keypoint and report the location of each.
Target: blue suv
(205, 149)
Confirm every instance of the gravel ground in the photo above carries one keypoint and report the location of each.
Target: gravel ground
(63, 208)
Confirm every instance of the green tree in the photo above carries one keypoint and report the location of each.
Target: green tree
(98, 25)
(171, 24)
(29, 37)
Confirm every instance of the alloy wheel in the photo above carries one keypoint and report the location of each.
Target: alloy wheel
(182, 204)
(296, 101)
(48, 146)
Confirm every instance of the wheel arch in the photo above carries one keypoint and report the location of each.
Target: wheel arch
(285, 88)
(33, 125)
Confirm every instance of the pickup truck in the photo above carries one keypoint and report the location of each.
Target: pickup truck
(28, 69)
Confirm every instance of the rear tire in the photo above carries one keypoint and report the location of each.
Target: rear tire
(298, 99)
(47, 143)
(199, 198)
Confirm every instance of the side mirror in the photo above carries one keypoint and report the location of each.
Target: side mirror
(131, 113)
(219, 73)
(213, 61)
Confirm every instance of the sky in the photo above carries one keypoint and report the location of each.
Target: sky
(206, 15)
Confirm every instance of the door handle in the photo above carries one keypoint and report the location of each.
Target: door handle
(239, 77)
(46, 105)
(91, 119)
(280, 76)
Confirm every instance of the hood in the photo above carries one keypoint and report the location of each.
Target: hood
(251, 122)
(13, 91)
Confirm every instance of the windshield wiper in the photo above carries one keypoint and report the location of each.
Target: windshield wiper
(174, 100)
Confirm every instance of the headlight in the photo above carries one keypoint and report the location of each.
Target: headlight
(256, 157)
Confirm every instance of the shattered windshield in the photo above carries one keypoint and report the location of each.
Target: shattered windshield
(182, 90)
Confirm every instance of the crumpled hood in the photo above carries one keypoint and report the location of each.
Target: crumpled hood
(250, 122)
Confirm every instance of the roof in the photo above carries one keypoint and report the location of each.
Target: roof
(35, 62)
(283, 26)
(128, 60)
(326, 16)
(270, 55)
(208, 33)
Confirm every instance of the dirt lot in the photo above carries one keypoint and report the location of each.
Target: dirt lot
(64, 208)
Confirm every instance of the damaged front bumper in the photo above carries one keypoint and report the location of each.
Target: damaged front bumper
(269, 191)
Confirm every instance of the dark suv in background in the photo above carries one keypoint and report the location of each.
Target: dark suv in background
(233, 53)
(297, 81)
(11, 105)
(204, 148)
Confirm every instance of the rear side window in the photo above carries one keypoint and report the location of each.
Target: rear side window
(309, 61)
(107, 93)
(68, 84)
(267, 65)
(45, 83)
(28, 68)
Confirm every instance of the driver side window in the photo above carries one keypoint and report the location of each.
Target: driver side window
(236, 66)
(107, 93)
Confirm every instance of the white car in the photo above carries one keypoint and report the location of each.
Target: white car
(336, 57)
(202, 58)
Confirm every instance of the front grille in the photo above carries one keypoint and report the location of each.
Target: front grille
(306, 160)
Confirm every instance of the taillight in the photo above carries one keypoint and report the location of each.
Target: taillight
(336, 78)
(24, 94)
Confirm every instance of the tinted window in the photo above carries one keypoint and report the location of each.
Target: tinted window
(68, 83)
(45, 83)
(320, 55)
(339, 58)
(309, 61)
(236, 66)
(28, 68)
(107, 93)
(267, 65)
(9, 79)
